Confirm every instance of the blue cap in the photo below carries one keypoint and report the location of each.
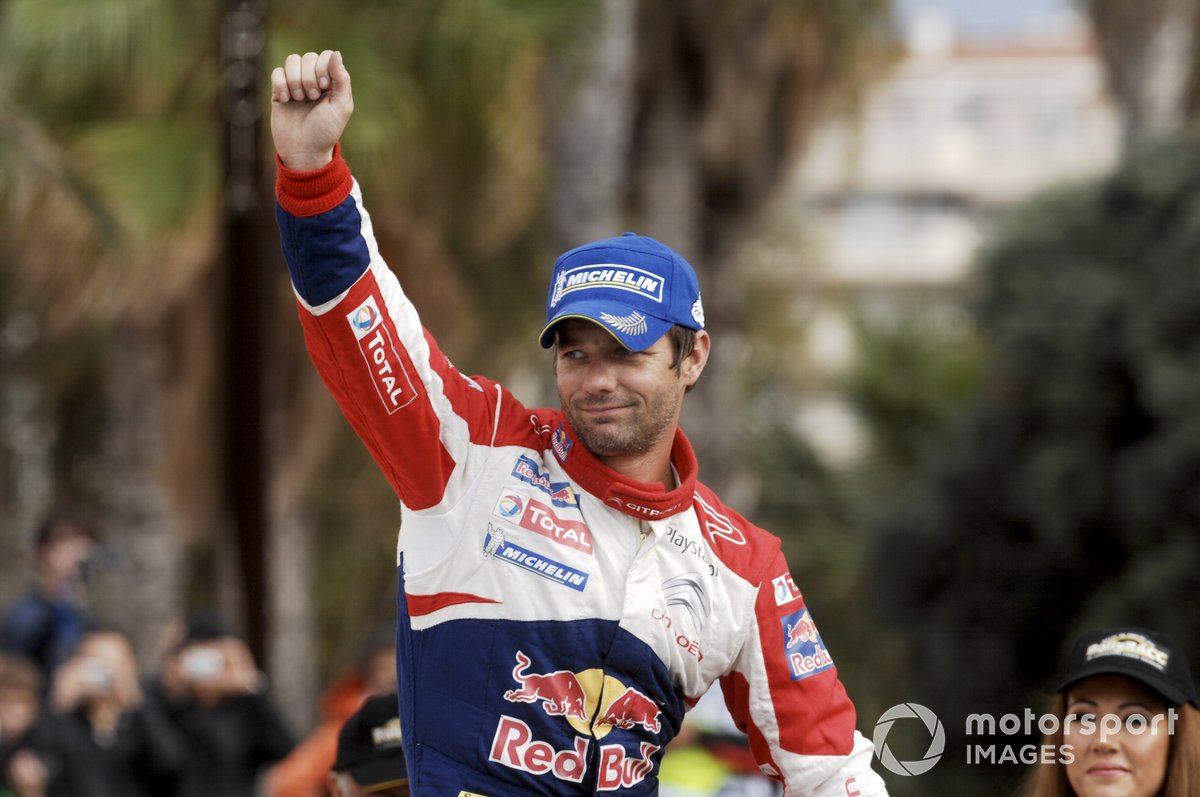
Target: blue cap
(633, 286)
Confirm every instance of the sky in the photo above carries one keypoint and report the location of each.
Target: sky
(989, 20)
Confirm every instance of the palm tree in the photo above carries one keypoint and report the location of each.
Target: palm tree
(111, 189)
(1148, 50)
(702, 125)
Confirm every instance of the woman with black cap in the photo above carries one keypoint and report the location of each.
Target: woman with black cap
(1127, 721)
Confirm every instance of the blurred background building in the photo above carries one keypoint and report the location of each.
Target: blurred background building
(977, 115)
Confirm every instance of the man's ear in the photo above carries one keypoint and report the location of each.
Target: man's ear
(693, 365)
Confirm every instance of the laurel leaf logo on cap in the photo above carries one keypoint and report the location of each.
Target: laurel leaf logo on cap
(632, 324)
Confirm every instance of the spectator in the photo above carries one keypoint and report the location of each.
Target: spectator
(114, 743)
(305, 772)
(29, 765)
(45, 624)
(1127, 723)
(216, 696)
(370, 759)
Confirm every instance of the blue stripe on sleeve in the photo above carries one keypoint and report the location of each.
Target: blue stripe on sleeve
(325, 254)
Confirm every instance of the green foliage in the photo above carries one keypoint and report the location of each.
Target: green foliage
(1067, 497)
(914, 369)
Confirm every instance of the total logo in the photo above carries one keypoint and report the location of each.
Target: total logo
(364, 318)
(540, 519)
(577, 697)
(786, 590)
(384, 363)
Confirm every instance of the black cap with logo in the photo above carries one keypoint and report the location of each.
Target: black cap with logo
(1153, 659)
(369, 745)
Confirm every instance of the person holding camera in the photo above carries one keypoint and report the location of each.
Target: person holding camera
(30, 760)
(216, 696)
(113, 742)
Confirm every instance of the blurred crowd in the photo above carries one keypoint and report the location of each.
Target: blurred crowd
(80, 718)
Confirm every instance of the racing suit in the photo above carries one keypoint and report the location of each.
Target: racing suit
(556, 619)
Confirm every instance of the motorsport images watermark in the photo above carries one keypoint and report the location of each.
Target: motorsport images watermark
(987, 726)
(937, 739)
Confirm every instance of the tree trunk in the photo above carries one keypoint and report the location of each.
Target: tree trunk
(1148, 49)
(26, 451)
(590, 136)
(138, 584)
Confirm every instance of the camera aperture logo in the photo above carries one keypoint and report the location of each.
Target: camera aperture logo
(1018, 729)
(937, 739)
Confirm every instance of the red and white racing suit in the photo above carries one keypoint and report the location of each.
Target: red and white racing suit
(556, 619)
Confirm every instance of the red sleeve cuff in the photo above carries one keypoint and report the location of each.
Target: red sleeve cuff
(315, 192)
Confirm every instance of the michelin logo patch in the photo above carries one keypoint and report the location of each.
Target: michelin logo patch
(607, 275)
(494, 545)
(806, 653)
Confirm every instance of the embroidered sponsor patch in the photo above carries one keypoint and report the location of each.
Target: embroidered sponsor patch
(383, 362)
(785, 589)
(540, 519)
(806, 653)
(496, 546)
(561, 443)
(561, 494)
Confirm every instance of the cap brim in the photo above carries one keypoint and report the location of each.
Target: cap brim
(380, 773)
(1171, 693)
(633, 329)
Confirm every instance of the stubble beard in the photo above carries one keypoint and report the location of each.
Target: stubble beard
(637, 434)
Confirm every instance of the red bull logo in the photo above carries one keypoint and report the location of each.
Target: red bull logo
(630, 709)
(561, 443)
(559, 692)
(514, 747)
(805, 651)
(803, 630)
(577, 697)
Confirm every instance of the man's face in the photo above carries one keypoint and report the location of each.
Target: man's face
(619, 402)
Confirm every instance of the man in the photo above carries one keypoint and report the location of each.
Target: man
(210, 687)
(370, 759)
(567, 587)
(46, 623)
(113, 742)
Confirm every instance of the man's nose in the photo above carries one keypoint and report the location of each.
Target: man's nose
(600, 376)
